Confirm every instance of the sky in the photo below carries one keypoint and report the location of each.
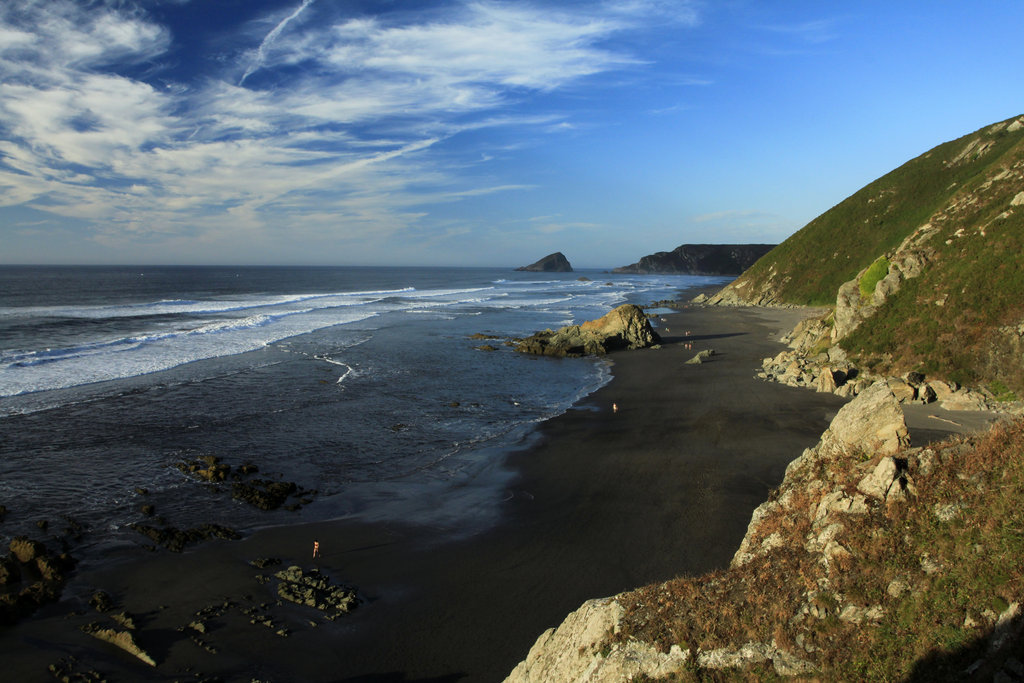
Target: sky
(479, 133)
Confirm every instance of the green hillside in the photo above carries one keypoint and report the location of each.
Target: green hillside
(959, 319)
(808, 267)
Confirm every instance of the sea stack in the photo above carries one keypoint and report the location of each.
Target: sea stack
(552, 263)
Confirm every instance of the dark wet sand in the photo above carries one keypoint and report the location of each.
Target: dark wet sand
(603, 501)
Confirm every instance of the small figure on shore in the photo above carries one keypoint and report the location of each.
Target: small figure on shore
(316, 549)
(615, 407)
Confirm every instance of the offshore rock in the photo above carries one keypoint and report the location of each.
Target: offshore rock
(626, 327)
(552, 263)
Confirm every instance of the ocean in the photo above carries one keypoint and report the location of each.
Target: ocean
(361, 384)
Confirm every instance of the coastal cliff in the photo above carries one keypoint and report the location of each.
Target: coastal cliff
(873, 560)
(700, 259)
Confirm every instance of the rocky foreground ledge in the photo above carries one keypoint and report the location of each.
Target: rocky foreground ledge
(871, 561)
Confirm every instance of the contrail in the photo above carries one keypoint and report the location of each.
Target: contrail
(270, 38)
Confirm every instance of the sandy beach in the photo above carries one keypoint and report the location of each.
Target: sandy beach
(599, 501)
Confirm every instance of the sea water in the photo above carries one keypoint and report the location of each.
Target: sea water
(361, 383)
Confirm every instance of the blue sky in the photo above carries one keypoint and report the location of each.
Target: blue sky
(468, 133)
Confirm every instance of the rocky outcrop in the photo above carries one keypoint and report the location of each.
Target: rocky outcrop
(30, 576)
(844, 549)
(579, 650)
(700, 259)
(585, 647)
(121, 639)
(625, 327)
(854, 304)
(552, 263)
(813, 361)
(313, 589)
(742, 292)
(870, 425)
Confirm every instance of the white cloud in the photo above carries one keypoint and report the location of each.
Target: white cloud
(347, 144)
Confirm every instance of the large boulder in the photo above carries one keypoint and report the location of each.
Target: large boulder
(871, 423)
(626, 327)
(552, 263)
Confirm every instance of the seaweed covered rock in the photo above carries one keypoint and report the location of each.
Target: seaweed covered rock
(625, 327)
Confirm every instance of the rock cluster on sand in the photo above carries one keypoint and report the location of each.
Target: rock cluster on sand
(315, 590)
(552, 263)
(625, 327)
(812, 363)
(121, 639)
(30, 576)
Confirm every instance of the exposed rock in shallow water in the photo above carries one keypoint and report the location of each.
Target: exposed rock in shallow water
(26, 550)
(263, 493)
(175, 539)
(625, 327)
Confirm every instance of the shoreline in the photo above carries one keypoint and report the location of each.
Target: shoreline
(599, 502)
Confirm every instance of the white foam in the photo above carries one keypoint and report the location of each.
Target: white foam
(222, 327)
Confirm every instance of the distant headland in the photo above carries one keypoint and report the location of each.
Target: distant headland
(700, 259)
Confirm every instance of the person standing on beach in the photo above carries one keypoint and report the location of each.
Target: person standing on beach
(316, 549)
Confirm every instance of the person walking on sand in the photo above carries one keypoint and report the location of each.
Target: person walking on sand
(316, 549)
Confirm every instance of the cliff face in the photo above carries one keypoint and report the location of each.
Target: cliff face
(552, 263)
(700, 259)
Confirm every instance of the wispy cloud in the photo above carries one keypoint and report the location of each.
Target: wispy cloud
(812, 32)
(346, 144)
(261, 51)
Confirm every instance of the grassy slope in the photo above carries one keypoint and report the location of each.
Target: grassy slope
(977, 277)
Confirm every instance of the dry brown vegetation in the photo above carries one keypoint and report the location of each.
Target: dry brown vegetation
(917, 594)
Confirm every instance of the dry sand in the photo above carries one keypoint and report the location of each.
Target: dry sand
(601, 501)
